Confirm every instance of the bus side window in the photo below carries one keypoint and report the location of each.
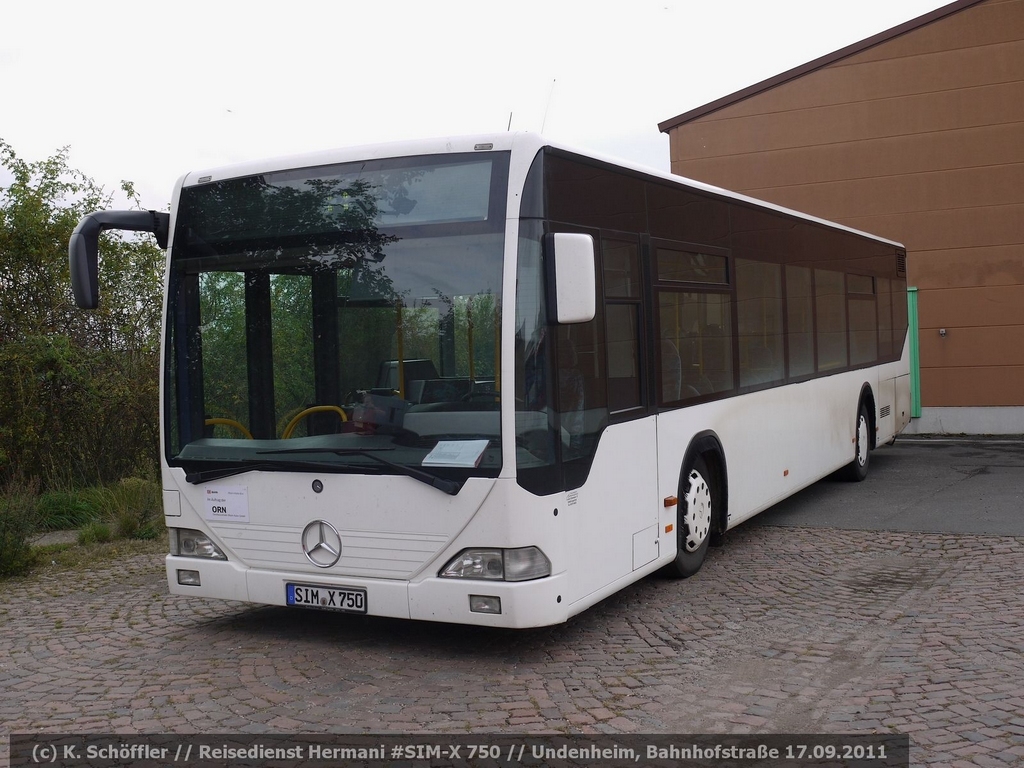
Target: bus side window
(671, 372)
(620, 256)
(696, 358)
(759, 311)
(800, 318)
(830, 311)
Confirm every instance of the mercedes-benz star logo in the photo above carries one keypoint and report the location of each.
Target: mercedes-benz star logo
(321, 543)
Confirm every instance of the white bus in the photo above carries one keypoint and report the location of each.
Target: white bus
(492, 380)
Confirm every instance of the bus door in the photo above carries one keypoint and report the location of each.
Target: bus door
(618, 502)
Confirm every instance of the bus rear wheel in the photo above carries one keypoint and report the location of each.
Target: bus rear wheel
(857, 469)
(694, 518)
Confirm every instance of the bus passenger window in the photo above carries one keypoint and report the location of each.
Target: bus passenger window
(830, 301)
(623, 357)
(759, 300)
(697, 326)
(621, 270)
(885, 346)
(671, 372)
(800, 314)
(863, 319)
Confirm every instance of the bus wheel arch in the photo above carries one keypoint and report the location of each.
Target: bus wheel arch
(702, 509)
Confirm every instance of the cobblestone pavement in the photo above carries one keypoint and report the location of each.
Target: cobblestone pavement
(784, 630)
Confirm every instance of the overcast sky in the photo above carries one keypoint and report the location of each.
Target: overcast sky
(149, 90)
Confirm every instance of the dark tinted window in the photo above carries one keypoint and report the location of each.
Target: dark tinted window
(759, 312)
(863, 330)
(884, 318)
(682, 266)
(621, 269)
(830, 303)
(695, 341)
(623, 356)
(800, 317)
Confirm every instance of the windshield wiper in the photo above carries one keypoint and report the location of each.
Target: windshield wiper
(201, 476)
(448, 486)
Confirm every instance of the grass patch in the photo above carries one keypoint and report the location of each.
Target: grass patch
(134, 509)
(64, 510)
(56, 558)
(95, 532)
(108, 519)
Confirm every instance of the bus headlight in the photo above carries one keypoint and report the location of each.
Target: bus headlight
(526, 563)
(522, 564)
(188, 543)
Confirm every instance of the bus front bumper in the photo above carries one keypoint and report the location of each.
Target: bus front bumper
(521, 604)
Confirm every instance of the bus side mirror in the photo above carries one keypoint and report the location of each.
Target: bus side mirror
(572, 282)
(83, 247)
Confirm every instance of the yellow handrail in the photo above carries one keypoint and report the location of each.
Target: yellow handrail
(229, 423)
(303, 414)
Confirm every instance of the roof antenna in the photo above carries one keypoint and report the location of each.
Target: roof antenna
(547, 106)
(509, 122)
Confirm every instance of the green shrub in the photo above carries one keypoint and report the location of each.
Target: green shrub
(18, 519)
(134, 508)
(79, 389)
(80, 416)
(61, 510)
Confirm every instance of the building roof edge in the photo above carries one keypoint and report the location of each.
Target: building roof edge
(819, 63)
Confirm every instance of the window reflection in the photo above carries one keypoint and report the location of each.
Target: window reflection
(759, 312)
(695, 340)
(830, 302)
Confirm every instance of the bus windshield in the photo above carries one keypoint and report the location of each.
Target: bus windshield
(341, 318)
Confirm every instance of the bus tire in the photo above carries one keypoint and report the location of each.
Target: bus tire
(694, 519)
(857, 469)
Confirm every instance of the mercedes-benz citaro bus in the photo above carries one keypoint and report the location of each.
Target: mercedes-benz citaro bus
(492, 380)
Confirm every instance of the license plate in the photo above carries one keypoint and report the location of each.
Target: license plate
(347, 599)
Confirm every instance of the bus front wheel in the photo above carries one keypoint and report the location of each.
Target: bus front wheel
(693, 520)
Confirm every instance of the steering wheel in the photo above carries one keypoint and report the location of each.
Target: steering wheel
(229, 423)
(304, 413)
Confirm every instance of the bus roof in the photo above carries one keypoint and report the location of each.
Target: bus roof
(517, 142)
